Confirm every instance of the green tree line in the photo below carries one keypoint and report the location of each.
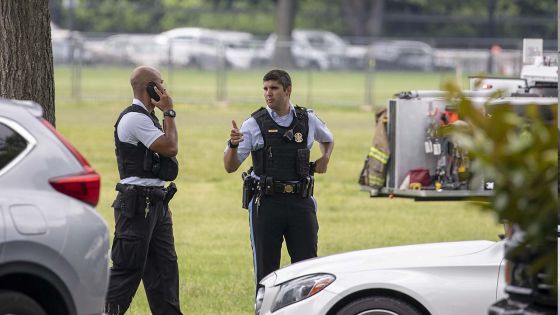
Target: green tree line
(398, 18)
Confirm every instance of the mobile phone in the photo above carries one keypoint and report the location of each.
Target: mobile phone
(152, 91)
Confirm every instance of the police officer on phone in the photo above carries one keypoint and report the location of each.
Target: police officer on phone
(278, 191)
(143, 246)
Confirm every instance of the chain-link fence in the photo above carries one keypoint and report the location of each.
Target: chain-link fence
(208, 66)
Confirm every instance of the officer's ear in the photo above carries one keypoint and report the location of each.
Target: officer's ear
(289, 90)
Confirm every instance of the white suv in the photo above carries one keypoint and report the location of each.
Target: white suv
(53, 244)
(315, 49)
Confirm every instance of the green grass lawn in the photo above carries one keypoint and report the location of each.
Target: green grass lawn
(340, 88)
(211, 228)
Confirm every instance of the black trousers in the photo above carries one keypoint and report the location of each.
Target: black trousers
(143, 249)
(279, 217)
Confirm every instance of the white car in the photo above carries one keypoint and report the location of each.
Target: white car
(438, 279)
(402, 55)
(239, 47)
(209, 49)
(191, 46)
(310, 49)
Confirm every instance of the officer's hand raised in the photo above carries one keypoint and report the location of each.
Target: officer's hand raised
(235, 136)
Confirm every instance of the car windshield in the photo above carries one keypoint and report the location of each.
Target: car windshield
(321, 41)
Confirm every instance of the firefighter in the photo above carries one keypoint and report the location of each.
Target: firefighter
(281, 204)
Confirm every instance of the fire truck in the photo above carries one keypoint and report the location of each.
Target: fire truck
(409, 159)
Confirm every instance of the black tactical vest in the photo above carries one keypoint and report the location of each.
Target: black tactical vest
(137, 160)
(285, 156)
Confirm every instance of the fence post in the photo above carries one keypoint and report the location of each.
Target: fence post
(221, 84)
(370, 71)
(170, 63)
(309, 86)
(75, 68)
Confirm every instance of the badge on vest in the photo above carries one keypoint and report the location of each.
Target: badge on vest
(272, 130)
(298, 137)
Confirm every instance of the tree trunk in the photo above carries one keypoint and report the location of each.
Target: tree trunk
(491, 31)
(363, 17)
(26, 61)
(354, 15)
(374, 24)
(286, 10)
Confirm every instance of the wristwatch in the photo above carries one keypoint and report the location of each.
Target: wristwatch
(170, 113)
(231, 145)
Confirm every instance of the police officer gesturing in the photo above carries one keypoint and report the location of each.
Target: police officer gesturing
(279, 138)
(143, 247)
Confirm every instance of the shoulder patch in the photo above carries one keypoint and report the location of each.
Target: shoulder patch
(301, 112)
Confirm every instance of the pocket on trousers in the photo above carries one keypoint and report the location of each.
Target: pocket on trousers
(127, 252)
(127, 202)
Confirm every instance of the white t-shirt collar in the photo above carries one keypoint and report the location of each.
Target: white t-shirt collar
(138, 102)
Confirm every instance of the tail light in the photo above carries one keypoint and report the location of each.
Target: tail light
(84, 186)
(508, 272)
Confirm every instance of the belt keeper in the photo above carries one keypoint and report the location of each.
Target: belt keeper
(269, 186)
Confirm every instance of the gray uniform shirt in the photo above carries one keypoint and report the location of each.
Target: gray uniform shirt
(253, 140)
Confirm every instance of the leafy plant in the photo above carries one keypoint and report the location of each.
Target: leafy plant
(517, 147)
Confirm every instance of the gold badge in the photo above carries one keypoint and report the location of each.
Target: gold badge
(272, 130)
(288, 189)
(298, 137)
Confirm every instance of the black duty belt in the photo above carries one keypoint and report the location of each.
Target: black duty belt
(266, 186)
(151, 192)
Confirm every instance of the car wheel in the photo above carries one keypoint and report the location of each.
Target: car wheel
(378, 305)
(16, 303)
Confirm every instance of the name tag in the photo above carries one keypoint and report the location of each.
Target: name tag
(272, 130)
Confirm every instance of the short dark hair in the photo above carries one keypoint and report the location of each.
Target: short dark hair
(279, 75)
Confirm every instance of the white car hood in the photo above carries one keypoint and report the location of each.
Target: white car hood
(400, 257)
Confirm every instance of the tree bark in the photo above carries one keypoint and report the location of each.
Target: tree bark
(286, 10)
(354, 15)
(26, 61)
(374, 24)
(363, 17)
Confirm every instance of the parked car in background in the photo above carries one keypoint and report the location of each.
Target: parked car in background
(209, 49)
(146, 50)
(316, 49)
(191, 46)
(53, 243)
(129, 49)
(111, 50)
(239, 48)
(461, 278)
(69, 46)
(401, 55)
(302, 58)
(330, 45)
